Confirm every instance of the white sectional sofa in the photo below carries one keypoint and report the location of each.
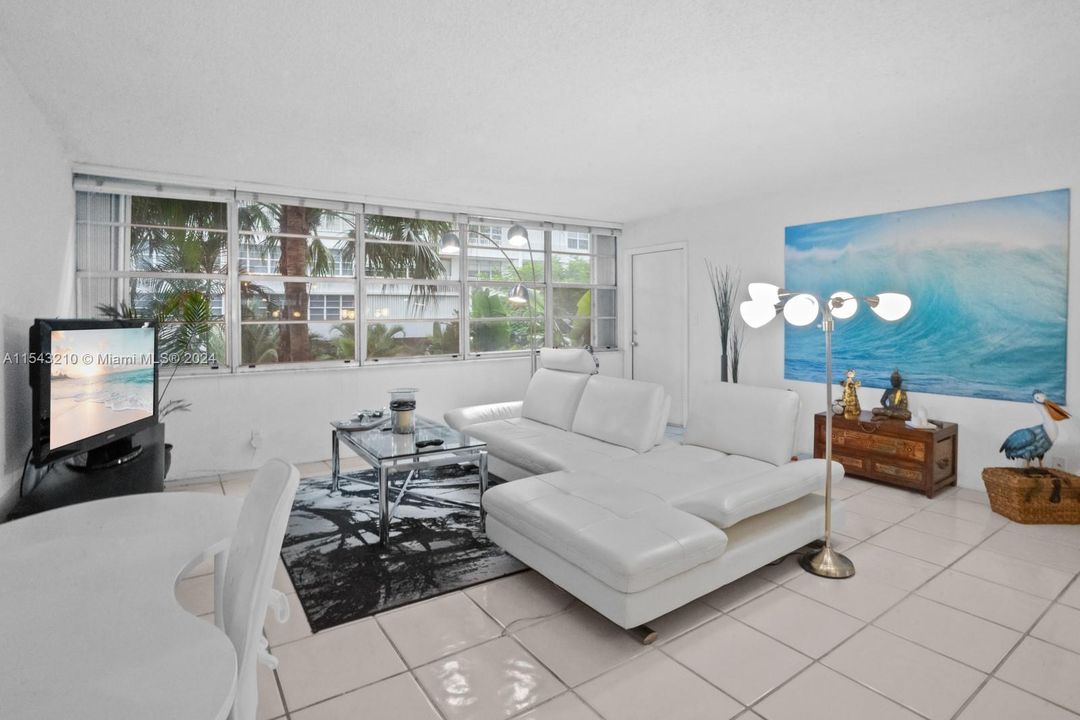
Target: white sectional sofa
(571, 418)
(643, 532)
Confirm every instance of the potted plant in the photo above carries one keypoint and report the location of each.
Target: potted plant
(725, 288)
(178, 340)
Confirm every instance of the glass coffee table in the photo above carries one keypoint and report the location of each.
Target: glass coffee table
(387, 452)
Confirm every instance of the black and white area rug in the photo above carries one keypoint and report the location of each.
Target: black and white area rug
(340, 573)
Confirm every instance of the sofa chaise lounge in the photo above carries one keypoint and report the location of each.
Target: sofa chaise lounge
(640, 535)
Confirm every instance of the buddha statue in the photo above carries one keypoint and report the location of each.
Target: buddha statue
(850, 399)
(894, 401)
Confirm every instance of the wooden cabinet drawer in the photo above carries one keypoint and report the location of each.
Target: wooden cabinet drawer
(898, 472)
(880, 444)
(851, 464)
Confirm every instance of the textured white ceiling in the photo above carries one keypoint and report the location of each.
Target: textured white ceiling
(600, 109)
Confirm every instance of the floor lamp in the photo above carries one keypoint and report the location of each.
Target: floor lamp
(517, 236)
(799, 308)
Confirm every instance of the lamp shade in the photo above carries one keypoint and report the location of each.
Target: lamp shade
(846, 307)
(519, 294)
(890, 306)
(756, 313)
(801, 309)
(766, 293)
(517, 236)
(449, 244)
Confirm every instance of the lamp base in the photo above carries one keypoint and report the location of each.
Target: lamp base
(827, 563)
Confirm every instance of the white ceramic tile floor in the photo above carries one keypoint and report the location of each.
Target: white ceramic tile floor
(428, 630)
(1061, 626)
(860, 595)
(998, 701)
(951, 632)
(1071, 597)
(567, 706)
(498, 679)
(923, 546)
(751, 664)
(1003, 605)
(655, 686)
(1045, 670)
(943, 595)
(928, 683)
(579, 644)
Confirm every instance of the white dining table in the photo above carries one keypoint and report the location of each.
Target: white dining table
(90, 627)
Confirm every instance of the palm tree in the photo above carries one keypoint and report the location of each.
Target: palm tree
(383, 340)
(301, 253)
(258, 344)
(189, 236)
(404, 247)
(487, 336)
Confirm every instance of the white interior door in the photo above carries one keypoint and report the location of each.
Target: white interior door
(658, 323)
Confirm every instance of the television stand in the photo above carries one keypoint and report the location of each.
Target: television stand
(145, 472)
(115, 453)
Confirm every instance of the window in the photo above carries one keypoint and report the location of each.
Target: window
(157, 258)
(239, 280)
(292, 259)
(497, 322)
(412, 304)
(583, 290)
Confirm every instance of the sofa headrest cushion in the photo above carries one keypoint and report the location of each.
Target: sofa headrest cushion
(744, 420)
(568, 360)
(552, 397)
(621, 412)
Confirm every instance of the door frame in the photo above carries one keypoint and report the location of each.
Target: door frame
(628, 313)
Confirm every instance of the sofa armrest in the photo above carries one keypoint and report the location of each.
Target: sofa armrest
(461, 418)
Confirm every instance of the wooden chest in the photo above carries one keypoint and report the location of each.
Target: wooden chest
(890, 452)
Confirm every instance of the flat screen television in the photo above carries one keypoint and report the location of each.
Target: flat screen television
(94, 385)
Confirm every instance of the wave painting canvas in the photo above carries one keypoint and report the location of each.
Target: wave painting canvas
(987, 281)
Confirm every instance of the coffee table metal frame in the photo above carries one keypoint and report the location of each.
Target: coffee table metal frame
(408, 458)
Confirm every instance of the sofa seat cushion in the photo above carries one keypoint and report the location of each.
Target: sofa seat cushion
(540, 448)
(720, 488)
(628, 539)
(552, 397)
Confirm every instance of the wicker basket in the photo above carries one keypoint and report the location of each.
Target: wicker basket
(1033, 495)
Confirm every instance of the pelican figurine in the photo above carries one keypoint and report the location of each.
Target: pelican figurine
(1034, 442)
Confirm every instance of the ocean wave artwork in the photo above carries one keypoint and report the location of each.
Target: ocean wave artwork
(988, 285)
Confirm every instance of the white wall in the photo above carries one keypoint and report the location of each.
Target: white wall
(748, 233)
(293, 409)
(38, 206)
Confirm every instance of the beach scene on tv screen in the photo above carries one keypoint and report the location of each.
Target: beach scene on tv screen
(100, 380)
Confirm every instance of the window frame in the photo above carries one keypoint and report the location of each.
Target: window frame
(233, 277)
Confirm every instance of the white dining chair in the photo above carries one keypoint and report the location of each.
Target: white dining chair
(249, 574)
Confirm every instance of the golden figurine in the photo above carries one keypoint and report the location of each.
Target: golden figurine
(894, 401)
(850, 399)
